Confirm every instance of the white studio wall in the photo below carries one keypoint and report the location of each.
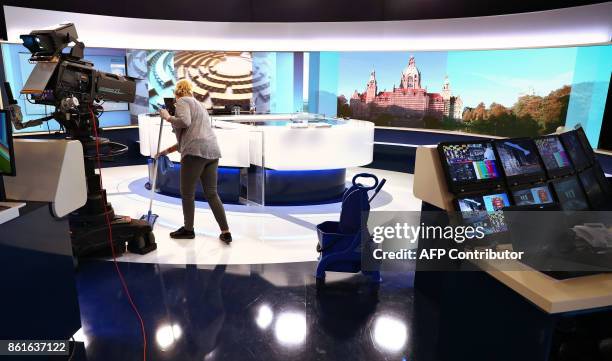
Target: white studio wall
(591, 24)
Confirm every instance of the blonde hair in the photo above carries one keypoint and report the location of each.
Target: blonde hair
(183, 88)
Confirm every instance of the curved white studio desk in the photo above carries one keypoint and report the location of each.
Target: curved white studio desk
(276, 142)
(234, 143)
(290, 147)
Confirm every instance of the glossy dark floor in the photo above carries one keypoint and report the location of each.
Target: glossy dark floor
(248, 312)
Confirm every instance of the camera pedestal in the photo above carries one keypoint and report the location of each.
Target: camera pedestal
(89, 224)
(93, 240)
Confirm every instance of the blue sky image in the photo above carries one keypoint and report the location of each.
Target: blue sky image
(355, 68)
(499, 76)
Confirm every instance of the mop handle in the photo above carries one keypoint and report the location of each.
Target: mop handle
(154, 180)
(378, 188)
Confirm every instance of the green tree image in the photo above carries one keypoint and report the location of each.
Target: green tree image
(530, 116)
(344, 110)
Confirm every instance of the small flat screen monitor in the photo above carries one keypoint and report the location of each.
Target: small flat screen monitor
(170, 104)
(601, 177)
(554, 156)
(7, 156)
(570, 194)
(575, 150)
(537, 194)
(584, 141)
(520, 161)
(594, 190)
(470, 165)
(484, 211)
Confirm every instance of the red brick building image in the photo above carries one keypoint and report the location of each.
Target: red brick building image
(409, 101)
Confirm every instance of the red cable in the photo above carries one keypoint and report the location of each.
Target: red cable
(110, 240)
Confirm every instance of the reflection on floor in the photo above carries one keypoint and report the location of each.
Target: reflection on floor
(250, 312)
(261, 234)
(254, 300)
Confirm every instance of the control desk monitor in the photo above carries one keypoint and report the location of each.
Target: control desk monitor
(554, 156)
(606, 186)
(593, 188)
(520, 161)
(575, 150)
(532, 195)
(484, 211)
(7, 156)
(570, 194)
(470, 166)
(584, 141)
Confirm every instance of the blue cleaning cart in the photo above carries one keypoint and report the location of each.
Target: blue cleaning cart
(340, 243)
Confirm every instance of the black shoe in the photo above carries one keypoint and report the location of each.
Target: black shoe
(226, 237)
(182, 233)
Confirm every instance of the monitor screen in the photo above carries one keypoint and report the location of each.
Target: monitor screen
(7, 158)
(470, 162)
(553, 154)
(592, 187)
(570, 195)
(170, 104)
(534, 195)
(604, 182)
(576, 152)
(584, 141)
(519, 157)
(485, 211)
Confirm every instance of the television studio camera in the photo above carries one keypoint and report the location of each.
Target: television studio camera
(76, 90)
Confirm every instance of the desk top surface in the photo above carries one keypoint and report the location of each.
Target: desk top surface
(549, 294)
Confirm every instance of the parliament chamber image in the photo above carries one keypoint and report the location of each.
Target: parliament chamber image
(339, 180)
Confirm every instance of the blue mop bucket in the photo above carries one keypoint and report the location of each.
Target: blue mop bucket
(340, 242)
(331, 240)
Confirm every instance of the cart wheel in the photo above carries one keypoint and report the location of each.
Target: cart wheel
(143, 243)
(150, 237)
(145, 239)
(140, 241)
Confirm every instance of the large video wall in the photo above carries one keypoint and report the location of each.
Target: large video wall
(522, 92)
(221, 79)
(262, 82)
(525, 92)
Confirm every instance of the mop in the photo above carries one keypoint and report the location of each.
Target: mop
(150, 217)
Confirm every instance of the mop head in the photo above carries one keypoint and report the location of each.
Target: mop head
(165, 162)
(150, 218)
